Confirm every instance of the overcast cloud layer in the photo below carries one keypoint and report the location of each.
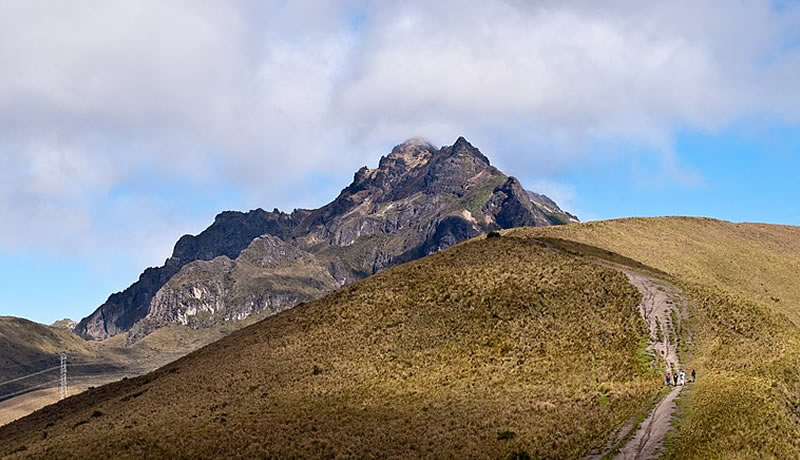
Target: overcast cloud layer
(110, 109)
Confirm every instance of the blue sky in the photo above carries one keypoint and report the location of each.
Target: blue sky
(124, 125)
(736, 175)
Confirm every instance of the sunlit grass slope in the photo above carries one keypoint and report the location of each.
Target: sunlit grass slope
(494, 347)
(744, 283)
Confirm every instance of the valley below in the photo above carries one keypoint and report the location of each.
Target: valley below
(30, 370)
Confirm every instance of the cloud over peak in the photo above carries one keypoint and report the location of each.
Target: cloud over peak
(258, 96)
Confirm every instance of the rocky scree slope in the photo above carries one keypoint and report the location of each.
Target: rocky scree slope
(419, 200)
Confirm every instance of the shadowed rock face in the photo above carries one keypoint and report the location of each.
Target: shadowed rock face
(419, 200)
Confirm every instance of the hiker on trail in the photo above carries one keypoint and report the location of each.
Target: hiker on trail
(683, 377)
(694, 376)
(675, 379)
(669, 379)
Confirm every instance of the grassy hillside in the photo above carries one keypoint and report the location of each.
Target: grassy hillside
(30, 349)
(743, 280)
(494, 347)
(23, 341)
(27, 348)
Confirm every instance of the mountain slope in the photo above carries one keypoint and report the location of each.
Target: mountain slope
(494, 347)
(745, 324)
(419, 200)
(230, 233)
(756, 261)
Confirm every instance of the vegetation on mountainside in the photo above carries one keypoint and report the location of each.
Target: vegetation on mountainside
(495, 347)
(556, 219)
(357, 257)
(478, 195)
(29, 348)
(744, 322)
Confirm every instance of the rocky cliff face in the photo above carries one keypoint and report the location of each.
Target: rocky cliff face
(420, 199)
(230, 233)
(269, 275)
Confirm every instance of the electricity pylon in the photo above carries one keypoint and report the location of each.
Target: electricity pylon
(63, 390)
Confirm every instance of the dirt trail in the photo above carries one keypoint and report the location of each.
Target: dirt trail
(661, 303)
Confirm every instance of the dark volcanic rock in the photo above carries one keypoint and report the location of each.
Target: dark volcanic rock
(514, 207)
(419, 200)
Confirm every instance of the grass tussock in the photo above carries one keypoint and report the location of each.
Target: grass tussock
(745, 343)
(499, 347)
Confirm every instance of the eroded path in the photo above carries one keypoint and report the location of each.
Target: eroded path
(660, 304)
(660, 308)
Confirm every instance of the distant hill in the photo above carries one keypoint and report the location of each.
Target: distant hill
(30, 353)
(419, 200)
(30, 349)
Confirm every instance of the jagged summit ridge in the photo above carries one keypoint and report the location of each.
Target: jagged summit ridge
(418, 200)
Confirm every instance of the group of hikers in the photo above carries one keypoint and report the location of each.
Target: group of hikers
(679, 378)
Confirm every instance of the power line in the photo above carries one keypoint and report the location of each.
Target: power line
(119, 370)
(56, 358)
(48, 358)
(63, 363)
(77, 378)
(30, 375)
(28, 390)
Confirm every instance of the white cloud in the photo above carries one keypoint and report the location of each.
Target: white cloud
(257, 96)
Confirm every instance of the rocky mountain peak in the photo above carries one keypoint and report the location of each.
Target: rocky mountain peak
(414, 144)
(412, 167)
(409, 155)
(420, 199)
(462, 147)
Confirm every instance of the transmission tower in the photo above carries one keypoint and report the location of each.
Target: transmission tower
(63, 390)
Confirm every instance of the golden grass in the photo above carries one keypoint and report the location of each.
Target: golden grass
(491, 348)
(744, 316)
(12, 409)
(27, 348)
(494, 347)
(759, 262)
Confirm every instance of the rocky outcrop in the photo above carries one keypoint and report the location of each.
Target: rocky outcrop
(555, 215)
(270, 275)
(513, 208)
(65, 323)
(420, 199)
(230, 233)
